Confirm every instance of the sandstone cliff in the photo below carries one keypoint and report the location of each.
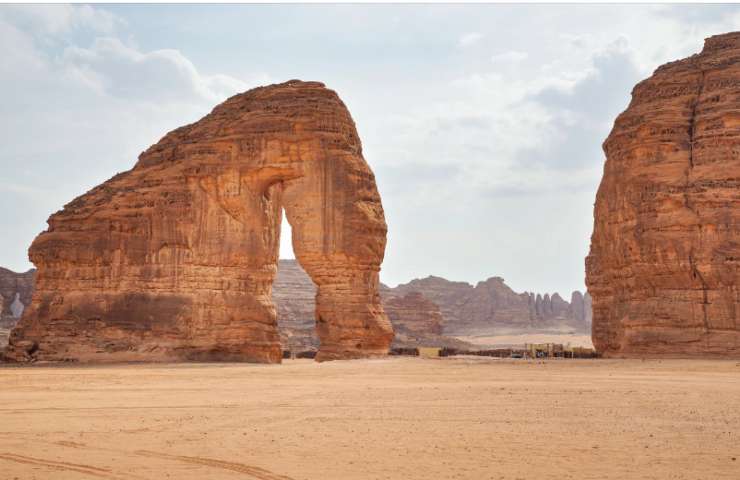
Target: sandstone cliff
(664, 265)
(174, 259)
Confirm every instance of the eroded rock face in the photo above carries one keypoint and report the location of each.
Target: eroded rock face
(294, 296)
(414, 314)
(175, 258)
(664, 265)
(493, 308)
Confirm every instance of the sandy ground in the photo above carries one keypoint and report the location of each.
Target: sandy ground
(520, 339)
(400, 418)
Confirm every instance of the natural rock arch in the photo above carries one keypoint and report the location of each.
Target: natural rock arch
(175, 258)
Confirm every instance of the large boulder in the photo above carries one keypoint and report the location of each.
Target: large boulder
(174, 259)
(664, 265)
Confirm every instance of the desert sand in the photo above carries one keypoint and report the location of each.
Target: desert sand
(518, 340)
(395, 418)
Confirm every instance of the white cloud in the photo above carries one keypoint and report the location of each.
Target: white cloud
(20, 189)
(19, 54)
(469, 39)
(511, 56)
(60, 18)
(76, 113)
(489, 147)
(111, 67)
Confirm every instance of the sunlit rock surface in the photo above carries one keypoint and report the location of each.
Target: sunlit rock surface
(174, 259)
(664, 265)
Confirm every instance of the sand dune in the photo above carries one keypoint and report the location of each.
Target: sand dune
(400, 418)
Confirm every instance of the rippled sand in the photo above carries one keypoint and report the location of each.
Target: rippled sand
(400, 418)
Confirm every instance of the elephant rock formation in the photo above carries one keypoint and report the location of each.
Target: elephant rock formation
(664, 265)
(175, 259)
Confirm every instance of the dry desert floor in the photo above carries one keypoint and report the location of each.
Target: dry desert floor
(398, 418)
(517, 340)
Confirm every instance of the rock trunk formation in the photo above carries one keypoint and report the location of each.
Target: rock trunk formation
(174, 259)
(664, 265)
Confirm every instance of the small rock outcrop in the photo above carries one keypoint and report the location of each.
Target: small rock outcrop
(174, 259)
(414, 314)
(664, 264)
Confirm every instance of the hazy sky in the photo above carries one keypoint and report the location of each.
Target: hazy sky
(483, 124)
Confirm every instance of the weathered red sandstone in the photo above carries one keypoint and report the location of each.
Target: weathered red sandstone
(174, 259)
(664, 266)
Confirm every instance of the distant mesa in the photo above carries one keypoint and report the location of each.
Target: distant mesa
(493, 308)
(174, 259)
(434, 311)
(664, 265)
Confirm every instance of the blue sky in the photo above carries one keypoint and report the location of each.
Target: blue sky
(483, 123)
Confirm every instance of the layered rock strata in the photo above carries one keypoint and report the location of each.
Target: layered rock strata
(174, 259)
(493, 308)
(664, 264)
(294, 295)
(414, 314)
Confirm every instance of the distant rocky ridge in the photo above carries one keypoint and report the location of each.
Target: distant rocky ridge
(294, 295)
(434, 310)
(416, 320)
(493, 308)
